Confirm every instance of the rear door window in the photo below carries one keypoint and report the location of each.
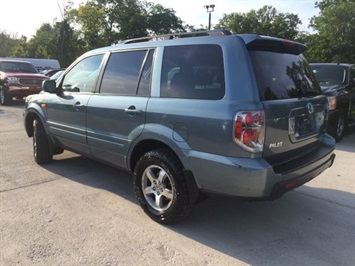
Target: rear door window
(125, 71)
(283, 76)
(193, 72)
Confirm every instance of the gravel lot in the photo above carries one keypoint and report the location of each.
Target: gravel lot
(75, 211)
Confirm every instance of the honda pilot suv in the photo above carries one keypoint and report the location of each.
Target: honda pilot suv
(18, 79)
(238, 115)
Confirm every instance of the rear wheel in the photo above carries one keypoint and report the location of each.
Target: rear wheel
(161, 188)
(41, 146)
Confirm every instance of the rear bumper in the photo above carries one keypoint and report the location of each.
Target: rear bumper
(285, 186)
(256, 179)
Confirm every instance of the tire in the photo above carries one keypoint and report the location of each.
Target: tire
(4, 98)
(340, 128)
(41, 146)
(161, 188)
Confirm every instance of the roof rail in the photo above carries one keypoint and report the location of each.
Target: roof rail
(179, 35)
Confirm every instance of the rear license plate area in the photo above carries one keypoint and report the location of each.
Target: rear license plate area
(304, 125)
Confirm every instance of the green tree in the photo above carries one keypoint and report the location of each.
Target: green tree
(9, 42)
(105, 22)
(66, 45)
(91, 18)
(43, 39)
(265, 21)
(161, 20)
(58, 41)
(20, 50)
(334, 40)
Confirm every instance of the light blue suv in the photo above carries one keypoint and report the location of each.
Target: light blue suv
(239, 115)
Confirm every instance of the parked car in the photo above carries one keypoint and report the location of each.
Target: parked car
(338, 84)
(18, 79)
(239, 115)
(41, 64)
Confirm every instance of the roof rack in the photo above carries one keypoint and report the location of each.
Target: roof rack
(179, 35)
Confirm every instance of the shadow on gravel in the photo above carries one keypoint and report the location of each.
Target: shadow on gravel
(299, 225)
(92, 173)
(304, 223)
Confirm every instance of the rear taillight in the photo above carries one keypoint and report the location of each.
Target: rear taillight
(332, 103)
(249, 130)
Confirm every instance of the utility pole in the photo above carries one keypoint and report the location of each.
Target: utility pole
(63, 9)
(209, 8)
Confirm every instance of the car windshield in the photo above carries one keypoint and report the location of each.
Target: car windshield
(329, 75)
(19, 67)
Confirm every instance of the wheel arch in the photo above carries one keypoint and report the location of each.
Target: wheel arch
(146, 145)
(30, 116)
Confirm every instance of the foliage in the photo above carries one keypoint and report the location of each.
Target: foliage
(105, 22)
(335, 37)
(161, 20)
(265, 21)
(8, 42)
(57, 41)
(90, 18)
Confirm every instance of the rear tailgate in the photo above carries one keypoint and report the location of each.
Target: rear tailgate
(295, 110)
(293, 130)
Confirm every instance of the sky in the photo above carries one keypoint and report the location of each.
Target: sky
(24, 17)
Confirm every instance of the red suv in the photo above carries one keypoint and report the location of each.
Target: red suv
(18, 79)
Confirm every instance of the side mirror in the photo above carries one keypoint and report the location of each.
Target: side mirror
(50, 86)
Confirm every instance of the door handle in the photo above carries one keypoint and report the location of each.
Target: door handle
(133, 111)
(78, 106)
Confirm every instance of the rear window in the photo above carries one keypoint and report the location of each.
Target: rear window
(283, 76)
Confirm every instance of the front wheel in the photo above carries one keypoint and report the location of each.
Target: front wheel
(340, 128)
(4, 98)
(41, 146)
(161, 188)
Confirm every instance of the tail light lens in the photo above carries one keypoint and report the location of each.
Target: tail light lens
(332, 103)
(249, 130)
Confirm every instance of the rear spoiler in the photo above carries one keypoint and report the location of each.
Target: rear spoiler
(265, 43)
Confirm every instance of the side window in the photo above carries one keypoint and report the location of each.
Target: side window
(144, 83)
(193, 71)
(123, 71)
(83, 76)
